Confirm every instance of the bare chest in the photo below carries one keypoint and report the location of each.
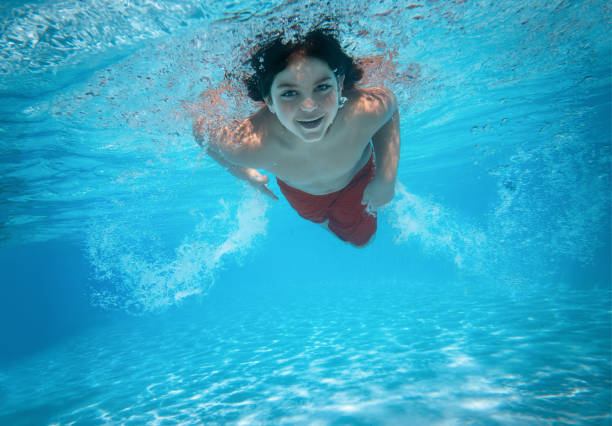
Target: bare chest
(327, 166)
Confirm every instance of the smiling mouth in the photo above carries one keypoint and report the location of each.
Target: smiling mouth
(311, 124)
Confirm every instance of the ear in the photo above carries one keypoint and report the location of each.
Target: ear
(269, 104)
(340, 83)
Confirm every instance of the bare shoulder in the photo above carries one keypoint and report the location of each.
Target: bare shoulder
(372, 106)
(240, 142)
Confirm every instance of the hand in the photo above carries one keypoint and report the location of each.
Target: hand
(260, 182)
(377, 194)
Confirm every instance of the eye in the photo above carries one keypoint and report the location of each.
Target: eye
(323, 87)
(288, 93)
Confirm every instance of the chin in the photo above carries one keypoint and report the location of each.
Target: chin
(312, 139)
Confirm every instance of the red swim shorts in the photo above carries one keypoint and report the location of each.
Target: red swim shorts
(348, 218)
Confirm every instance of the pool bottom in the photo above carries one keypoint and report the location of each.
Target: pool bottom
(390, 353)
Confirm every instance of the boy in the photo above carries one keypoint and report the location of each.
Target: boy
(333, 147)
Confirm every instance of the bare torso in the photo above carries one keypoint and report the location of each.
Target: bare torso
(322, 167)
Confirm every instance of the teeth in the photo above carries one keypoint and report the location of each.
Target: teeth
(313, 124)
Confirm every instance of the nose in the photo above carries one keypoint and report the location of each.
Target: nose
(308, 105)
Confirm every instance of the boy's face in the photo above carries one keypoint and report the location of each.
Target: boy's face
(304, 97)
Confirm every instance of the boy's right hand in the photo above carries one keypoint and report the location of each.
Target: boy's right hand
(260, 182)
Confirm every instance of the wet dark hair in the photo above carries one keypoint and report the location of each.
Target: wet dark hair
(273, 55)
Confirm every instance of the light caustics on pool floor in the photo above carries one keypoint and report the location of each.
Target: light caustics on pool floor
(438, 358)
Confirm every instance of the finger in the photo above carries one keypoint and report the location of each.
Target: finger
(269, 192)
(368, 201)
(370, 204)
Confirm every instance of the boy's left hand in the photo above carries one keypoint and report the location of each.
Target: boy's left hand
(378, 193)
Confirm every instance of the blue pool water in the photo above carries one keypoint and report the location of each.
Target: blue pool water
(143, 284)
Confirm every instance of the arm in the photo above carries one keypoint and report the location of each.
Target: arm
(252, 176)
(387, 149)
(231, 154)
(386, 143)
